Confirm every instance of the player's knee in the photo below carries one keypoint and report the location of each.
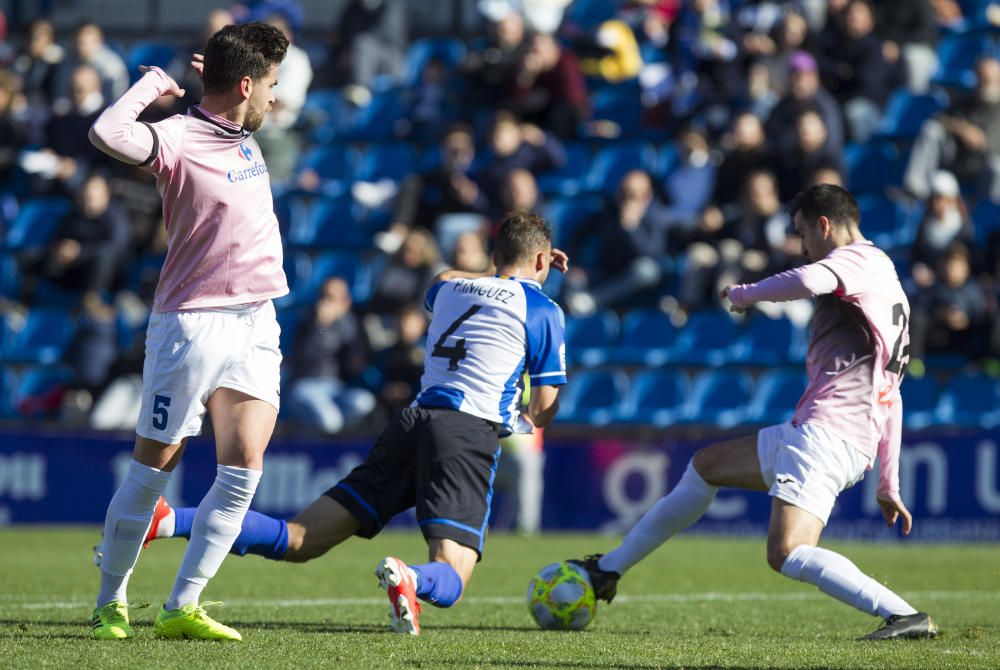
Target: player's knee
(704, 464)
(301, 547)
(778, 551)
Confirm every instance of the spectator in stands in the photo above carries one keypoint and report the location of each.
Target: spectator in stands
(689, 185)
(496, 60)
(94, 349)
(855, 69)
(707, 46)
(518, 146)
(89, 48)
(774, 51)
(826, 175)
(519, 191)
(13, 134)
(909, 30)
(964, 140)
(630, 238)
(470, 253)
(549, 89)
(745, 151)
(431, 104)
(330, 352)
(402, 364)
(812, 151)
(945, 222)
(805, 94)
(951, 314)
(277, 140)
(407, 275)
(89, 245)
(38, 63)
(369, 39)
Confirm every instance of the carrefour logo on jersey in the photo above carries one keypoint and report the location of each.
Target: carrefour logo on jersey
(255, 170)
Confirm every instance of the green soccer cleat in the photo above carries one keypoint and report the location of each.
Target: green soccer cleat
(111, 622)
(193, 623)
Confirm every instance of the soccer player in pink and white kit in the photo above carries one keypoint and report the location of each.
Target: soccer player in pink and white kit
(850, 414)
(212, 341)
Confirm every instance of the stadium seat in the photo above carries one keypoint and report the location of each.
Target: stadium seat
(612, 162)
(589, 339)
(35, 223)
(957, 56)
(589, 14)
(620, 104)
(654, 398)
(43, 338)
(971, 400)
(566, 214)
(720, 398)
(10, 279)
(38, 391)
(906, 112)
(326, 223)
(449, 50)
(872, 167)
(592, 396)
(648, 338)
(569, 179)
(325, 114)
(332, 163)
(766, 341)
(306, 273)
(7, 382)
(159, 54)
(378, 121)
(883, 221)
(921, 397)
(288, 321)
(393, 160)
(706, 339)
(986, 220)
(777, 394)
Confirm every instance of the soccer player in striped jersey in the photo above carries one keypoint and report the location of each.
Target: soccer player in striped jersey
(440, 455)
(850, 414)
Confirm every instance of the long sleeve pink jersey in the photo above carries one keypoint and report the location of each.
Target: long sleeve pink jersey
(223, 244)
(857, 351)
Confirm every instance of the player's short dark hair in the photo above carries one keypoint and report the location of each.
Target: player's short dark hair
(521, 236)
(239, 51)
(828, 200)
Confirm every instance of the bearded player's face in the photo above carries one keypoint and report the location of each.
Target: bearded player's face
(261, 100)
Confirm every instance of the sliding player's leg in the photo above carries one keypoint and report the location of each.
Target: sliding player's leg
(733, 463)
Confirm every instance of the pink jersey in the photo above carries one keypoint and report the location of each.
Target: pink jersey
(858, 350)
(223, 244)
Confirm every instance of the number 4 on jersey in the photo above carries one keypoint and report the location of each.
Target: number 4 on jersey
(456, 352)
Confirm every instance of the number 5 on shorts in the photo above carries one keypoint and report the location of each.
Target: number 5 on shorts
(160, 405)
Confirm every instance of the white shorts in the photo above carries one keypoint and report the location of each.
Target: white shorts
(191, 353)
(808, 466)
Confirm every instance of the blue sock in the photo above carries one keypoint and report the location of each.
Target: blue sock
(260, 534)
(438, 583)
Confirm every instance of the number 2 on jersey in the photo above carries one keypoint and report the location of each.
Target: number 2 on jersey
(456, 352)
(899, 360)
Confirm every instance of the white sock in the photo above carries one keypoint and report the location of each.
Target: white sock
(837, 576)
(672, 513)
(216, 525)
(129, 514)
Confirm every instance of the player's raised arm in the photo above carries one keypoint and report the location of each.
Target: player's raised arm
(116, 131)
(801, 283)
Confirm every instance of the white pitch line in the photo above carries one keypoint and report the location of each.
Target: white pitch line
(6, 602)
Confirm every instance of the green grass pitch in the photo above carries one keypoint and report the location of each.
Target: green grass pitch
(696, 603)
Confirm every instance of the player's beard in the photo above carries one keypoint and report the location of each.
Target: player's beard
(254, 119)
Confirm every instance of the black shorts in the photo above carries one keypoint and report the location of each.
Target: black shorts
(439, 460)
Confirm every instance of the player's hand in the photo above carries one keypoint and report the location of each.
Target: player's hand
(198, 64)
(892, 510)
(174, 88)
(724, 294)
(560, 261)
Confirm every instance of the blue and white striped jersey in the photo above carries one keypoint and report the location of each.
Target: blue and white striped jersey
(483, 334)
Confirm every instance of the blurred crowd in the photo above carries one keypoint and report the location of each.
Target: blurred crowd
(662, 137)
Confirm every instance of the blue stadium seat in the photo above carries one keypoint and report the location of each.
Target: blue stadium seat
(10, 279)
(667, 160)
(451, 51)
(622, 105)
(37, 391)
(986, 220)
(655, 398)
(160, 54)
(612, 162)
(326, 114)
(589, 14)
(872, 167)
(327, 223)
(591, 396)
(648, 338)
(288, 321)
(971, 400)
(589, 339)
(333, 165)
(882, 221)
(566, 214)
(378, 120)
(720, 398)
(7, 382)
(766, 341)
(393, 161)
(306, 273)
(35, 223)
(44, 337)
(921, 397)
(569, 179)
(776, 396)
(957, 56)
(906, 112)
(706, 339)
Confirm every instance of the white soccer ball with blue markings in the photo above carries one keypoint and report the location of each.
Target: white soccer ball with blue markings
(560, 597)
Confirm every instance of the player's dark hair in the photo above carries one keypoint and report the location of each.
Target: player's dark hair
(828, 200)
(239, 51)
(521, 236)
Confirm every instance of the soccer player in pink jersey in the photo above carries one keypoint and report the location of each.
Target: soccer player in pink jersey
(212, 341)
(850, 414)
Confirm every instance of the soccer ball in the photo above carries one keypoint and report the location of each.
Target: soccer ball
(560, 597)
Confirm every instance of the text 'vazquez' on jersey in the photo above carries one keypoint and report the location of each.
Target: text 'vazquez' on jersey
(483, 335)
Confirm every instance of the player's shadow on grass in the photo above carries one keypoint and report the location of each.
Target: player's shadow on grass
(583, 665)
(332, 627)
